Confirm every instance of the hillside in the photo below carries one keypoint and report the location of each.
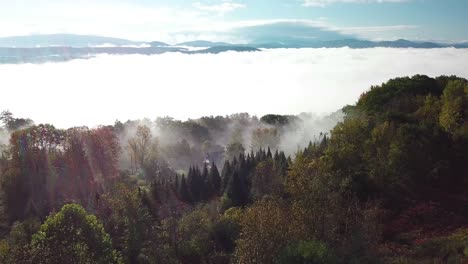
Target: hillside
(385, 184)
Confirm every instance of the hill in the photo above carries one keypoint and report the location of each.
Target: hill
(67, 40)
(203, 44)
(220, 49)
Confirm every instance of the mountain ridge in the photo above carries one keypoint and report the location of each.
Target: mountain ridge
(75, 40)
(68, 40)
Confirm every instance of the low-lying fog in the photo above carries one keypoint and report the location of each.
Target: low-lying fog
(281, 81)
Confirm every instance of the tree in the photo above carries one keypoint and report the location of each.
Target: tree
(265, 180)
(184, 191)
(264, 233)
(25, 185)
(139, 146)
(215, 179)
(194, 233)
(236, 191)
(278, 120)
(11, 123)
(72, 236)
(265, 138)
(104, 151)
(234, 150)
(15, 247)
(128, 221)
(453, 102)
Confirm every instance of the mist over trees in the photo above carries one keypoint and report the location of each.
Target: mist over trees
(382, 181)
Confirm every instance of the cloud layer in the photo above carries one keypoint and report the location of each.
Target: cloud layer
(220, 9)
(283, 81)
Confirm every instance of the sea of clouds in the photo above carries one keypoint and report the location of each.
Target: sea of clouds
(283, 81)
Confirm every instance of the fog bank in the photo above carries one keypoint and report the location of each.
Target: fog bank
(281, 81)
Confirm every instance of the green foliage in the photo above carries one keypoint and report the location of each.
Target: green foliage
(72, 236)
(454, 104)
(278, 120)
(234, 150)
(396, 95)
(266, 180)
(251, 177)
(341, 200)
(16, 246)
(308, 252)
(194, 230)
(128, 221)
(265, 232)
(200, 235)
(402, 138)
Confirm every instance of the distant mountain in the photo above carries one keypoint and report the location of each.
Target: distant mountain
(304, 43)
(64, 47)
(271, 45)
(64, 40)
(204, 44)
(81, 41)
(61, 54)
(403, 43)
(359, 44)
(158, 44)
(461, 45)
(220, 49)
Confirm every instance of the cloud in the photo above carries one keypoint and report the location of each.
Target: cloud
(121, 19)
(353, 30)
(293, 30)
(322, 3)
(392, 32)
(148, 22)
(282, 81)
(221, 8)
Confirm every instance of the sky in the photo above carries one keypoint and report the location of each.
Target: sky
(175, 21)
(279, 81)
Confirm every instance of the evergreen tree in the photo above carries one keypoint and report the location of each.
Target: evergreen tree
(206, 190)
(184, 190)
(236, 192)
(225, 175)
(215, 180)
(269, 156)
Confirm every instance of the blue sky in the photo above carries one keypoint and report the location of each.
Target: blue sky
(224, 20)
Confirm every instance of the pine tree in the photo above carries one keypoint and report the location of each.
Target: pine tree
(215, 180)
(206, 188)
(225, 175)
(269, 156)
(184, 192)
(235, 191)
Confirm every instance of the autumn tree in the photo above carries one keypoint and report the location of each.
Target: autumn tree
(139, 146)
(264, 233)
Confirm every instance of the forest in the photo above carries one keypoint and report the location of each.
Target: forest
(381, 181)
